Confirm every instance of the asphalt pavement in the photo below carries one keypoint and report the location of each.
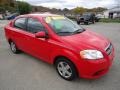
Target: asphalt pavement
(24, 72)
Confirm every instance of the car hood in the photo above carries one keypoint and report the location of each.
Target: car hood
(86, 40)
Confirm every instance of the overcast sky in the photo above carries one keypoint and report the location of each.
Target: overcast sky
(73, 3)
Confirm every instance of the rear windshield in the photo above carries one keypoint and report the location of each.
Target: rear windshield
(63, 26)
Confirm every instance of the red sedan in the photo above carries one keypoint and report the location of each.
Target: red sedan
(57, 40)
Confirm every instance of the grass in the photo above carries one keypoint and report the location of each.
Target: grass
(108, 20)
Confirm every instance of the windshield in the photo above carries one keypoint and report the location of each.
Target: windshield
(63, 26)
(86, 15)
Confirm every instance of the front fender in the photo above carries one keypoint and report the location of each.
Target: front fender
(72, 56)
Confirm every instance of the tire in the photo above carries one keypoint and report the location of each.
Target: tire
(66, 69)
(14, 48)
(78, 22)
(93, 22)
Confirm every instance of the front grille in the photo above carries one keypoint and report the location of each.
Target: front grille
(109, 49)
(81, 18)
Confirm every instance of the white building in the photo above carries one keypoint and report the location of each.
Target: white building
(112, 13)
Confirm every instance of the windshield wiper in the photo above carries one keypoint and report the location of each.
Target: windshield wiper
(79, 31)
(75, 32)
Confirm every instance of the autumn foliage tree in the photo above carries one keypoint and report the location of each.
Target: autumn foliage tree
(7, 5)
(81, 10)
(13, 6)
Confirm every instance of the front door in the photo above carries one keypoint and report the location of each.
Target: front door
(39, 47)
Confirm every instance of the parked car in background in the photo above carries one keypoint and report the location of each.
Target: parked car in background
(73, 50)
(117, 16)
(86, 18)
(100, 16)
(97, 19)
(11, 16)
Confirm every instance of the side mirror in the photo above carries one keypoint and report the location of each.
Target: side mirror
(40, 34)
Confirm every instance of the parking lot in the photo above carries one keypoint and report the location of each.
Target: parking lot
(24, 72)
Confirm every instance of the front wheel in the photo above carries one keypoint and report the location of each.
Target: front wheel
(78, 22)
(66, 69)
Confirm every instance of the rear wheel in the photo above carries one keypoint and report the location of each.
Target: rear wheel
(93, 21)
(14, 48)
(66, 69)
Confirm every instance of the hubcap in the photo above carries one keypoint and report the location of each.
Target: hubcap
(64, 69)
(13, 47)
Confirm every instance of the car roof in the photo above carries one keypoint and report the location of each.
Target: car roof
(41, 15)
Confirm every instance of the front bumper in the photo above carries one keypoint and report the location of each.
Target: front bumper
(93, 69)
(82, 21)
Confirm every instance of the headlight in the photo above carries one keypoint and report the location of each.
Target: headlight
(91, 54)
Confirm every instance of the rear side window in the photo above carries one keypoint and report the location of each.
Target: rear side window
(34, 26)
(20, 23)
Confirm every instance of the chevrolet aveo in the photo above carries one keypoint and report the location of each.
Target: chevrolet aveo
(73, 50)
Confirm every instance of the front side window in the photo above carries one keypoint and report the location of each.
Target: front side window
(63, 26)
(34, 26)
(20, 23)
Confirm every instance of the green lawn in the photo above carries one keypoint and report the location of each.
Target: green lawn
(108, 20)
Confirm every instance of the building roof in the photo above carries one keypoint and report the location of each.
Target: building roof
(115, 10)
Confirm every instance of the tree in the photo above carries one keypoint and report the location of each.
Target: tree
(23, 7)
(2, 10)
(79, 10)
(7, 5)
(98, 9)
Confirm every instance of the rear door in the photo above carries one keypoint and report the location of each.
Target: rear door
(19, 31)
